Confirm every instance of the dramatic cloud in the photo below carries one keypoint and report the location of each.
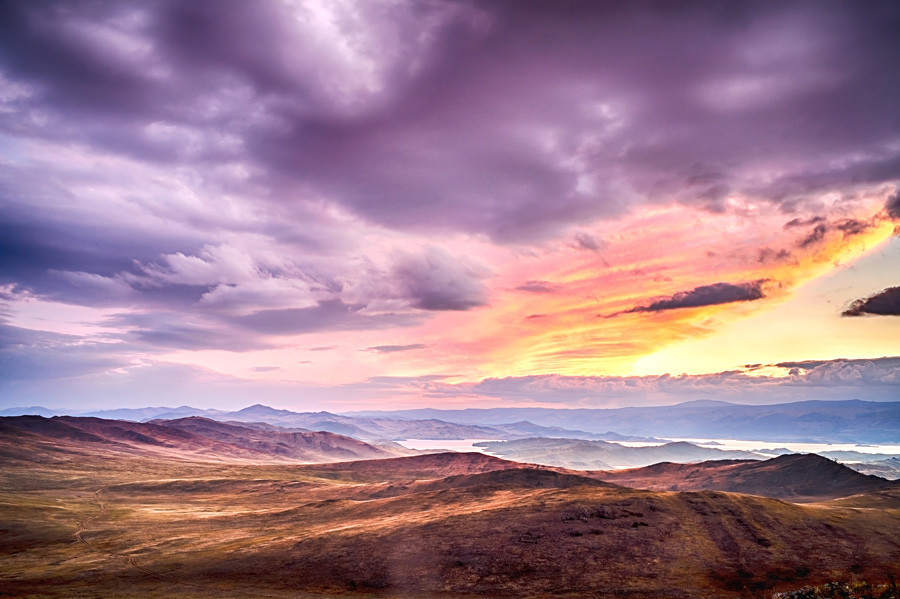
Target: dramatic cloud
(419, 123)
(182, 181)
(707, 295)
(885, 303)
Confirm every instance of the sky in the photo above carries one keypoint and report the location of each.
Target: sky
(379, 204)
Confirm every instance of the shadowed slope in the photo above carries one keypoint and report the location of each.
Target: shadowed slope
(189, 438)
(450, 525)
(422, 467)
(307, 446)
(601, 455)
(798, 477)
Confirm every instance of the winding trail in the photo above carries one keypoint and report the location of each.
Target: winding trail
(102, 513)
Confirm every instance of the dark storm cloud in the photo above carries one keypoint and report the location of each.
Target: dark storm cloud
(390, 349)
(883, 303)
(707, 295)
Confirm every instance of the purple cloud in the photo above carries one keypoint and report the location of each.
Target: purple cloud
(706, 295)
(804, 222)
(583, 241)
(228, 174)
(433, 280)
(893, 206)
(390, 349)
(327, 315)
(883, 303)
(537, 287)
(462, 129)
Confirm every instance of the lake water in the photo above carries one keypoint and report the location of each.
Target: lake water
(467, 445)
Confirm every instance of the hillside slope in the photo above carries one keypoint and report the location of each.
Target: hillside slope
(190, 438)
(445, 525)
(599, 455)
(306, 446)
(797, 477)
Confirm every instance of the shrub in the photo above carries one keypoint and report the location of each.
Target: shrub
(843, 590)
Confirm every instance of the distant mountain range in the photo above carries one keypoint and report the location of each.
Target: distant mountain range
(851, 421)
(601, 455)
(367, 429)
(186, 438)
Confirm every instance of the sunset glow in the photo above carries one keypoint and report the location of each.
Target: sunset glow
(378, 204)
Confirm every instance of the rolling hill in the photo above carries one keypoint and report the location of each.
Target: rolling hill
(601, 455)
(143, 524)
(365, 429)
(796, 477)
(190, 438)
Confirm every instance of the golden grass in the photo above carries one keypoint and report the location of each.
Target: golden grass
(179, 528)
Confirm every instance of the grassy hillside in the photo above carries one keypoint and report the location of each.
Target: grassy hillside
(450, 525)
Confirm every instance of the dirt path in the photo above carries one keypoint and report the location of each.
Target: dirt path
(102, 513)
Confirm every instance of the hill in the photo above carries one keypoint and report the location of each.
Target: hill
(191, 438)
(447, 525)
(365, 429)
(306, 446)
(600, 455)
(796, 477)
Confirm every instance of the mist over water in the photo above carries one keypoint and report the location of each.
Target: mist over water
(761, 446)
(462, 445)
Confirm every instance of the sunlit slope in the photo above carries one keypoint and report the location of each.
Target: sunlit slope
(796, 477)
(82, 524)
